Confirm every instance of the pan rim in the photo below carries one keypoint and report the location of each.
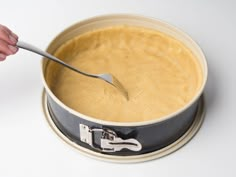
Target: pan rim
(141, 123)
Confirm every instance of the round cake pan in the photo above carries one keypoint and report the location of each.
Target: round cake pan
(121, 139)
(185, 138)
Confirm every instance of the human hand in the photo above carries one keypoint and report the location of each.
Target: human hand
(8, 42)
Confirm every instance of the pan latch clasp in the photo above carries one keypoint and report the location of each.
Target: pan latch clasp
(109, 141)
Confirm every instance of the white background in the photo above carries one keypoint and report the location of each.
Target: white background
(29, 148)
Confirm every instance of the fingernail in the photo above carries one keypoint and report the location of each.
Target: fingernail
(14, 35)
(12, 48)
(12, 39)
(2, 57)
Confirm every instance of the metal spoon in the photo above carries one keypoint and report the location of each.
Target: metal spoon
(105, 76)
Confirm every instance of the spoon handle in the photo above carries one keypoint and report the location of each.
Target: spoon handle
(29, 47)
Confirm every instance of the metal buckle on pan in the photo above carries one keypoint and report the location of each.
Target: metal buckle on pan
(109, 141)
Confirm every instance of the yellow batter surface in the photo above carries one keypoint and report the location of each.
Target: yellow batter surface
(160, 74)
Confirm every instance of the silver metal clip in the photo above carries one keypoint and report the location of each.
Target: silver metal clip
(109, 141)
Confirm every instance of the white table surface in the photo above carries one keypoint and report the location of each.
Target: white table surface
(29, 148)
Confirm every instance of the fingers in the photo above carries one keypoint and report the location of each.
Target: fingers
(8, 31)
(7, 37)
(8, 42)
(5, 28)
(2, 57)
(7, 49)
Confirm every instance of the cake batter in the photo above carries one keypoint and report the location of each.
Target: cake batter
(160, 74)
